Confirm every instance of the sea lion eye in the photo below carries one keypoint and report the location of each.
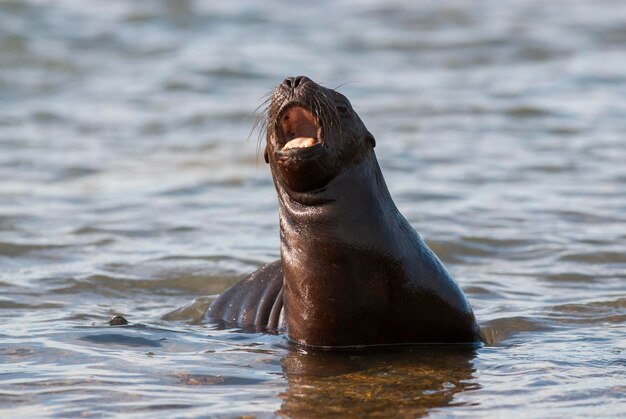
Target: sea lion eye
(343, 110)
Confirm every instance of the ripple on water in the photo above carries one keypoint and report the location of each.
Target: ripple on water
(118, 339)
(478, 249)
(585, 279)
(499, 330)
(20, 249)
(9, 304)
(595, 257)
(120, 286)
(192, 312)
(595, 312)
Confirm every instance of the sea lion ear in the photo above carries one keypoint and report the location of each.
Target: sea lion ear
(266, 156)
(371, 139)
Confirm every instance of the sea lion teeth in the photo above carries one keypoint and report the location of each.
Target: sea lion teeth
(300, 142)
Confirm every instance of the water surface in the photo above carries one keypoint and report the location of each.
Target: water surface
(128, 185)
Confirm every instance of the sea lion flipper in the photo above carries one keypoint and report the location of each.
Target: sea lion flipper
(254, 303)
(274, 321)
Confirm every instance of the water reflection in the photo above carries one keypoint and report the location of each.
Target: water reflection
(392, 382)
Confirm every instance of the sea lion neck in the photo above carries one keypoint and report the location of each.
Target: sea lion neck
(331, 247)
(361, 184)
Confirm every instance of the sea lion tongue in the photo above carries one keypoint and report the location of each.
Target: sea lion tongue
(301, 142)
(299, 128)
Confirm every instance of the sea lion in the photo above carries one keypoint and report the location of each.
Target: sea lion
(352, 270)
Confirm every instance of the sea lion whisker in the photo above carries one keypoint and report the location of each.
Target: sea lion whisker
(260, 115)
(343, 84)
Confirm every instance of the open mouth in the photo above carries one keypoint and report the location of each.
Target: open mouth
(299, 128)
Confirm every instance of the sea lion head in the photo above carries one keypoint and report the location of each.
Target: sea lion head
(312, 133)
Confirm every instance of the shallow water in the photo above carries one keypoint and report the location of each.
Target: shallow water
(128, 186)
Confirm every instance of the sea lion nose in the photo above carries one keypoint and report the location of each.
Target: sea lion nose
(294, 82)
